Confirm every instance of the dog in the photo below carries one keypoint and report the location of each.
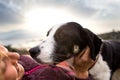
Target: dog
(69, 39)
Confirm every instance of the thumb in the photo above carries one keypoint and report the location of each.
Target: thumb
(86, 53)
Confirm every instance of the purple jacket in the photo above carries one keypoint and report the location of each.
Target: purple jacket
(36, 71)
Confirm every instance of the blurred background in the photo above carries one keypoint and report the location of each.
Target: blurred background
(24, 23)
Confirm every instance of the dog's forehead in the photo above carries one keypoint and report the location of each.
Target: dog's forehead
(54, 29)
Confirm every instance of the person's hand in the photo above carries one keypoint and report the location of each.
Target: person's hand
(82, 63)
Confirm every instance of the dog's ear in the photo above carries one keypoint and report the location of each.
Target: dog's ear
(85, 38)
(94, 42)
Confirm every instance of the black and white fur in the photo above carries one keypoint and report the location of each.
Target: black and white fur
(65, 41)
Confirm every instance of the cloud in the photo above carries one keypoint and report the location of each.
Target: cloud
(16, 35)
(12, 10)
(102, 9)
(106, 10)
(97, 15)
(78, 7)
(8, 15)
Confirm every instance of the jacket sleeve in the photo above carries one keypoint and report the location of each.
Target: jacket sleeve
(53, 73)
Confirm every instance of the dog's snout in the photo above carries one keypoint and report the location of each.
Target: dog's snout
(34, 51)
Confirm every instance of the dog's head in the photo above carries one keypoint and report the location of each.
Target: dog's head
(65, 41)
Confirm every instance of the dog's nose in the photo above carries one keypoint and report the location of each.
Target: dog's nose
(34, 51)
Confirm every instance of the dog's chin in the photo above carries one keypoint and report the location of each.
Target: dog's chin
(38, 60)
(43, 62)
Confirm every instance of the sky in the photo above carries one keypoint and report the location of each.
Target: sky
(30, 20)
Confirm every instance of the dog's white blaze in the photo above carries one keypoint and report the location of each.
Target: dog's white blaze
(47, 47)
(100, 71)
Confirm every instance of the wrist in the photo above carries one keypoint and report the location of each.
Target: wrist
(82, 75)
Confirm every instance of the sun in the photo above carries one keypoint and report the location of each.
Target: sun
(39, 19)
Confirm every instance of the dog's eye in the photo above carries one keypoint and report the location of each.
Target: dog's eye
(61, 36)
(41, 47)
(43, 41)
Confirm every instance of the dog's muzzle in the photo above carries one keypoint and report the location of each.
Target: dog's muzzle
(34, 51)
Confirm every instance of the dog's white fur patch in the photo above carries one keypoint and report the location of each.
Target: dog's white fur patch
(47, 46)
(100, 71)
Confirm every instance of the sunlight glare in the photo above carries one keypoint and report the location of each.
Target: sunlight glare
(42, 19)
